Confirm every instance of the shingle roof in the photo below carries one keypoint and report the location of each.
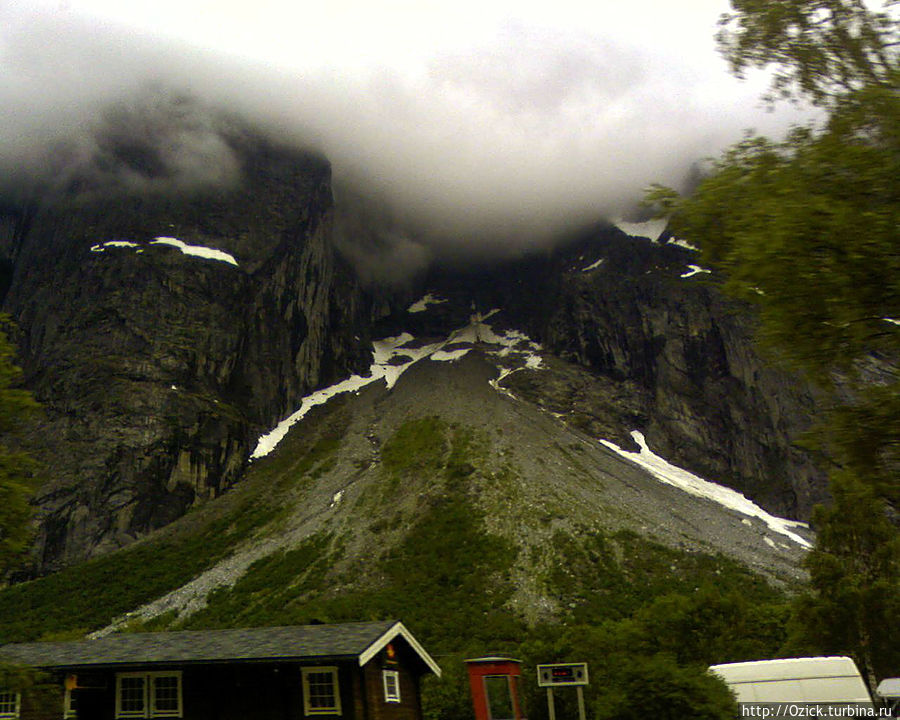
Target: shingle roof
(349, 640)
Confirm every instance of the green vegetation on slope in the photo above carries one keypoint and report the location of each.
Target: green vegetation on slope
(638, 612)
(17, 469)
(446, 576)
(88, 596)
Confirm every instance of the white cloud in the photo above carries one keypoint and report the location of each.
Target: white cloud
(500, 118)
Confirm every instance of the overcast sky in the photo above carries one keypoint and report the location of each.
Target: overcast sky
(512, 116)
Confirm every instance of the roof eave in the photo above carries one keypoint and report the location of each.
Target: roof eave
(398, 628)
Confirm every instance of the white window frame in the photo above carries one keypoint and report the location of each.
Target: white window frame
(16, 700)
(333, 671)
(68, 710)
(389, 677)
(149, 688)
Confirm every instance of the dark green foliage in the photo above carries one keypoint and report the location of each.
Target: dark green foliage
(268, 592)
(93, 593)
(17, 469)
(655, 686)
(627, 681)
(609, 577)
(807, 229)
(446, 577)
(821, 49)
(709, 626)
(853, 602)
(417, 446)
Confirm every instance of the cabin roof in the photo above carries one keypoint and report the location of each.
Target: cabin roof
(349, 641)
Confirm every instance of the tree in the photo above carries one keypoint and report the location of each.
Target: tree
(821, 49)
(655, 686)
(853, 599)
(17, 469)
(807, 230)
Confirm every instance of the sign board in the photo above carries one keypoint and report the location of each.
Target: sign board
(562, 674)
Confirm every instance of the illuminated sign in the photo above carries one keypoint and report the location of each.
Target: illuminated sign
(562, 674)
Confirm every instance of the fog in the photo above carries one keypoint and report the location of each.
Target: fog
(487, 132)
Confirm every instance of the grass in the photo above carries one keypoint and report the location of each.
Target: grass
(445, 575)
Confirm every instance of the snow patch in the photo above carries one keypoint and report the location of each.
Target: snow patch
(694, 270)
(114, 244)
(893, 321)
(422, 304)
(593, 266)
(651, 229)
(682, 244)
(449, 355)
(670, 474)
(197, 250)
(336, 498)
(392, 356)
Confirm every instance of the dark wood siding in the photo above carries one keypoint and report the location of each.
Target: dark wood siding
(262, 691)
(407, 709)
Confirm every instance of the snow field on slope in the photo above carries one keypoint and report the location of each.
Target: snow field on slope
(193, 250)
(197, 250)
(694, 270)
(422, 304)
(385, 366)
(651, 229)
(670, 474)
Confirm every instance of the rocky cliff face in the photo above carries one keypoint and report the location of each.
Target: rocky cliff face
(164, 326)
(158, 363)
(652, 345)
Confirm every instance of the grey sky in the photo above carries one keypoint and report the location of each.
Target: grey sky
(509, 117)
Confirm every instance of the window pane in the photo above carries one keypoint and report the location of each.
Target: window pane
(321, 690)
(7, 703)
(131, 694)
(391, 686)
(165, 694)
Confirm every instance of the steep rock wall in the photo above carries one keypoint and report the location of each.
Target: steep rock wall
(664, 354)
(158, 369)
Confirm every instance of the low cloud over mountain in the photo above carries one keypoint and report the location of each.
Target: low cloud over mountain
(497, 131)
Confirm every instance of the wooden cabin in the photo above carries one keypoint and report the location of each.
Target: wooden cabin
(352, 671)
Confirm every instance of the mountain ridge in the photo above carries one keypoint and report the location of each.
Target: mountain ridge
(158, 369)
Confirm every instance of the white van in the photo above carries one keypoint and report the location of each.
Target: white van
(800, 680)
(889, 691)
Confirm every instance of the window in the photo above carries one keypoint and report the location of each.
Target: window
(70, 705)
(321, 694)
(391, 685)
(9, 704)
(148, 695)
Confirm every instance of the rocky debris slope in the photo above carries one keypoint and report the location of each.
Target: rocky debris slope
(161, 330)
(649, 343)
(364, 467)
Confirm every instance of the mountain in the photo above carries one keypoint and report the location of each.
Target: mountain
(165, 331)
(574, 452)
(162, 330)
